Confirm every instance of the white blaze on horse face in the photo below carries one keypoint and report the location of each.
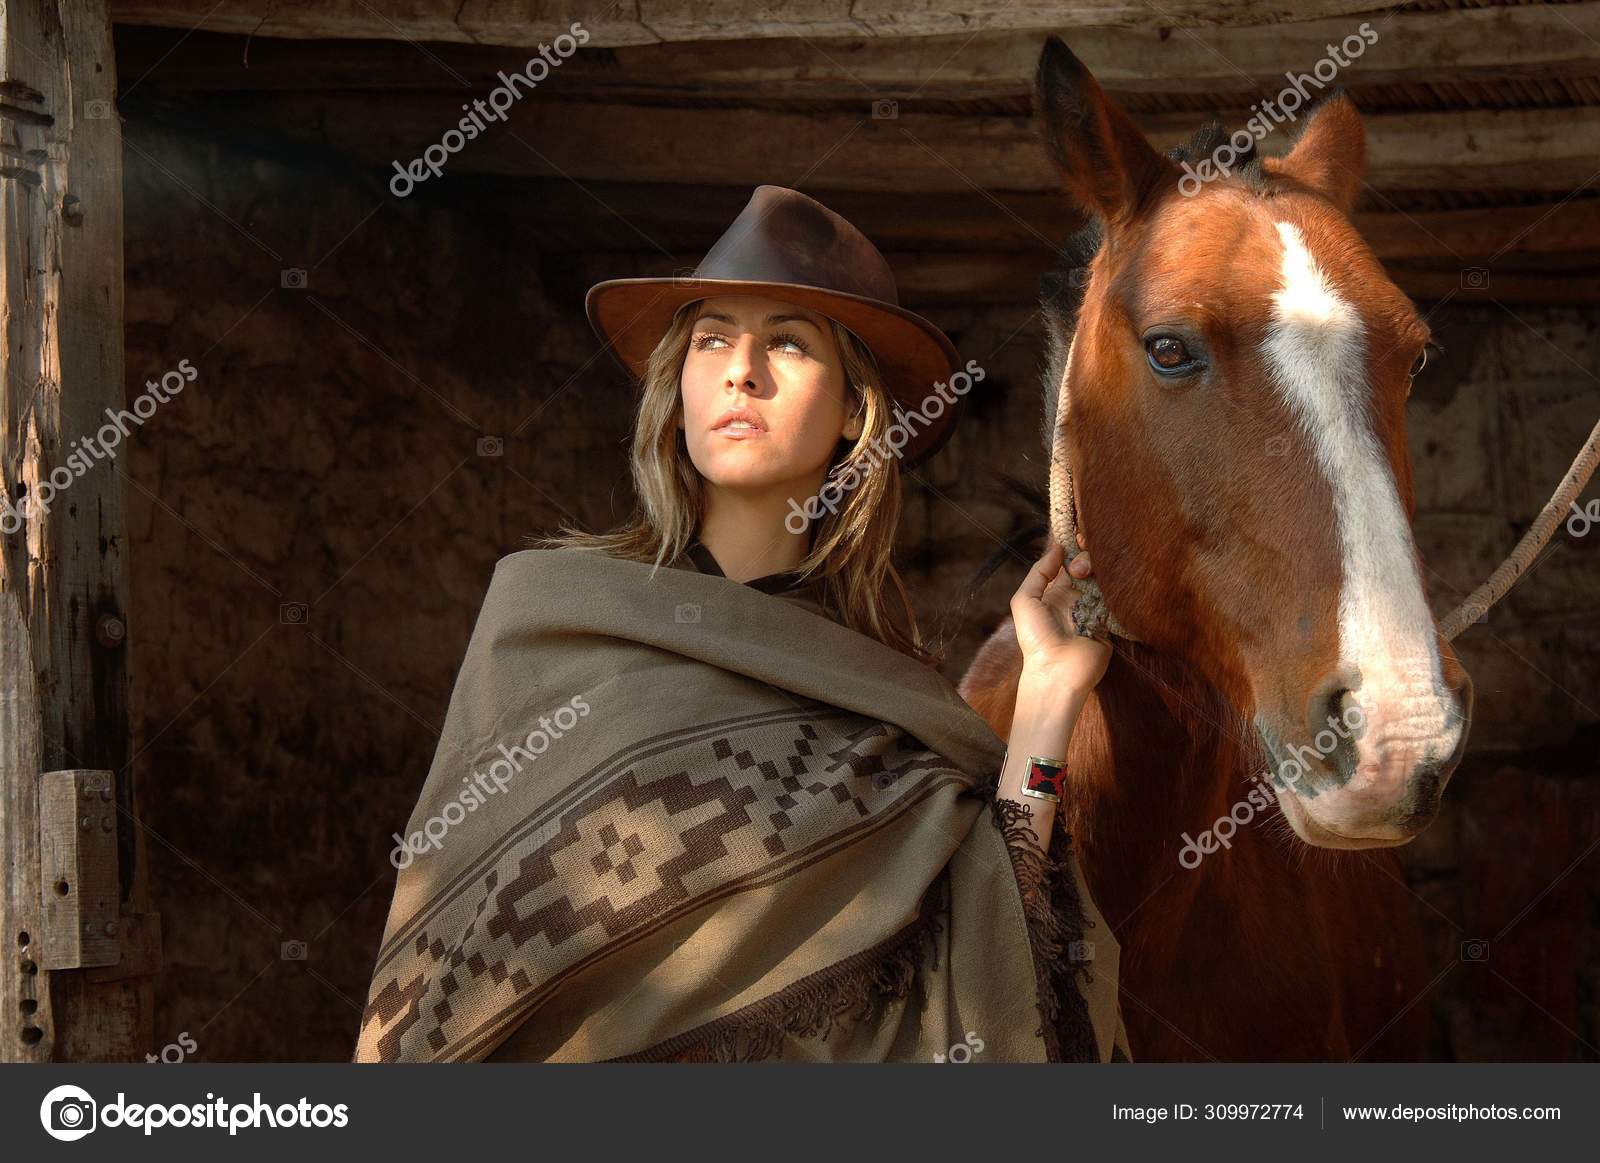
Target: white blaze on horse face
(1316, 349)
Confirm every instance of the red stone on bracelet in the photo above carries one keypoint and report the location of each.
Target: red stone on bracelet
(1044, 777)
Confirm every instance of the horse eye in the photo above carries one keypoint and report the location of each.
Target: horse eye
(1168, 354)
(1420, 363)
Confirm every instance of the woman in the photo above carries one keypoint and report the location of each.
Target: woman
(752, 820)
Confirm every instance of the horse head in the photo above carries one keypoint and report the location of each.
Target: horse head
(1229, 382)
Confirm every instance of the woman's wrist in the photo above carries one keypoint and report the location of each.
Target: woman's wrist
(1043, 691)
(1046, 711)
(1059, 669)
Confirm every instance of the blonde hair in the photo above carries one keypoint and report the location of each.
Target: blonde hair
(852, 542)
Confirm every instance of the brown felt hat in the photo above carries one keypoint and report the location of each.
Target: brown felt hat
(787, 246)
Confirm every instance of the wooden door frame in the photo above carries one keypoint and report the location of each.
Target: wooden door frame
(63, 558)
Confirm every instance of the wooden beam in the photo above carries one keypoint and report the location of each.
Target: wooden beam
(1484, 235)
(527, 23)
(63, 583)
(1476, 150)
(1534, 288)
(1447, 46)
(563, 217)
(928, 279)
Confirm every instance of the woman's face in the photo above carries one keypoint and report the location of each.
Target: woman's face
(779, 362)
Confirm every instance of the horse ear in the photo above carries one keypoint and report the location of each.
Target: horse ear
(1106, 163)
(1330, 155)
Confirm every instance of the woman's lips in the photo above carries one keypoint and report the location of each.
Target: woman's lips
(739, 431)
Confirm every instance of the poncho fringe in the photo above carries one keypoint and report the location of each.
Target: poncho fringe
(1056, 926)
(860, 986)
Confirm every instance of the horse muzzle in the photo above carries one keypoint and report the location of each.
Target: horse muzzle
(1373, 773)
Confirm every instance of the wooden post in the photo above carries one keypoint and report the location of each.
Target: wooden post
(63, 583)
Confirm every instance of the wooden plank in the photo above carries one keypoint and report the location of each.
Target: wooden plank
(62, 570)
(1466, 45)
(932, 17)
(24, 991)
(1558, 227)
(1535, 288)
(524, 23)
(139, 947)
(78, 870)
(1448, 46)
(527, 23)
(562, 217)
(1483, 149)
(928, 279)
(1441, 46)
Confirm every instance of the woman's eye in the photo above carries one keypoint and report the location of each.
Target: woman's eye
(1168, 354)
(792, 341)
(704, 341)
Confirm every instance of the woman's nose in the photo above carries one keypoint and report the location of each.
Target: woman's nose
(741, 369)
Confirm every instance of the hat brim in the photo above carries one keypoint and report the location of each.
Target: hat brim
(913, 355)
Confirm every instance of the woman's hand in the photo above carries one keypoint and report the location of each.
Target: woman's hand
(1041, 609)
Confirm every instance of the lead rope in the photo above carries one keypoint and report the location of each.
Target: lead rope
(1535, 539)
(1090, 616)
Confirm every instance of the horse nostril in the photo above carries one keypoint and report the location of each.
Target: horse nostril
(1343, 756)
(1330, 700)
(1335, 708)
(1347, 712)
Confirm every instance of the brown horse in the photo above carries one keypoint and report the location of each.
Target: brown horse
(1229, 379)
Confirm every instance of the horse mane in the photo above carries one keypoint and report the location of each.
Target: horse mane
(1061, 292)
(1207, 140)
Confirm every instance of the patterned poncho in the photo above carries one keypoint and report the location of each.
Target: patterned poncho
(675, 817)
